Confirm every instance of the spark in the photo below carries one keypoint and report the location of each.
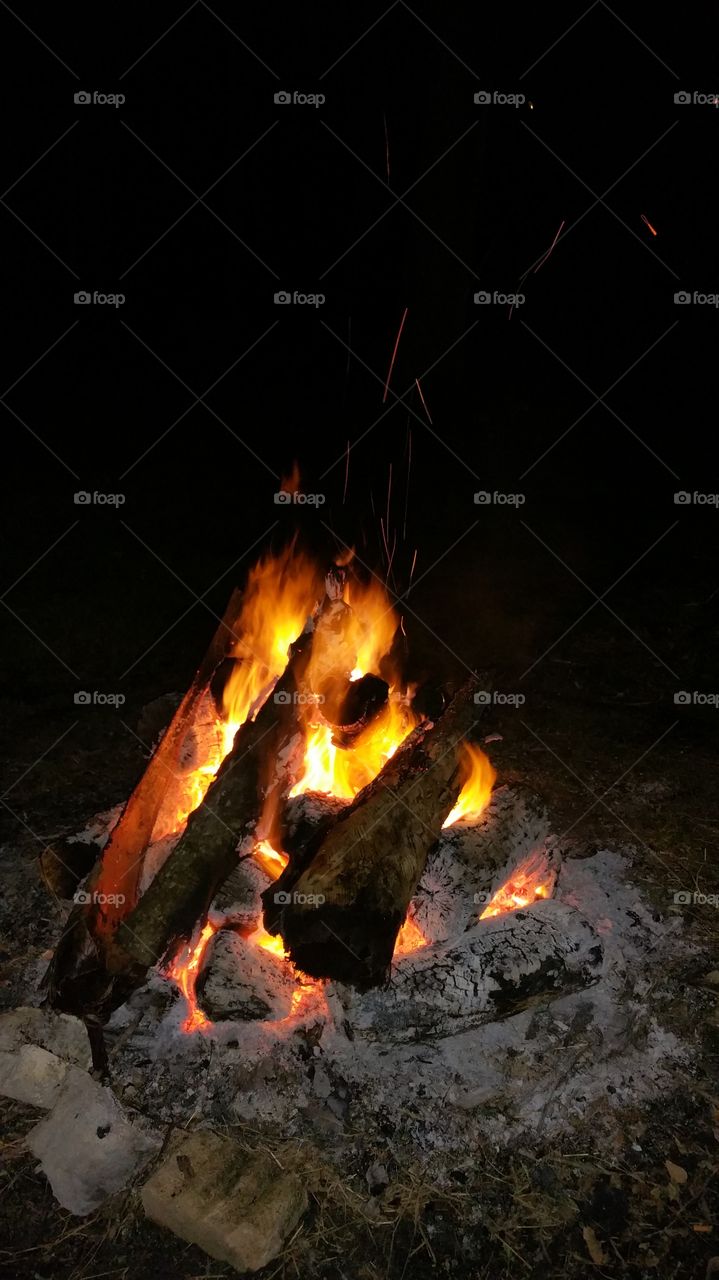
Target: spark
(549, 250)
(347, 473)
(394, 354)
(424, 403)
(648, 223)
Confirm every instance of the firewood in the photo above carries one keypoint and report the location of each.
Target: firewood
(264, 763)
(497, 968)
(340, 912)
(89, 974)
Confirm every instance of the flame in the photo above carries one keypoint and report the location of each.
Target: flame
(374, 624)
(268, 941)
(270, 860)
(531, 880)
(280, 595)
(184, 970)
(410, 938)
(479, 776)
(342, 772)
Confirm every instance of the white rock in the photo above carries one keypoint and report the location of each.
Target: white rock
(87, 1147)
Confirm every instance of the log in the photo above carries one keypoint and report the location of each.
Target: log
(340, 912)
(499, 967)
(206, 853)
(80, 978)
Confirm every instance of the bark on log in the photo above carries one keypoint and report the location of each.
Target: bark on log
(496, 969)
(89, 975)
(340, 914)
(264, 764)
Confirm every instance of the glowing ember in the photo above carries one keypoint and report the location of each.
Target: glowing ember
(410, 938)
(184, 972)
(531, 880)
(479, 776)
(272, 862)
(268, 942)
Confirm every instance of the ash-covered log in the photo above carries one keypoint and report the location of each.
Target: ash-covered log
(499, 967)
(339, 916)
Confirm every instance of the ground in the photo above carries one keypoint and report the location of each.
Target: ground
(618, 762)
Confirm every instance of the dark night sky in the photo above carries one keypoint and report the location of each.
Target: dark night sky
(106, 398)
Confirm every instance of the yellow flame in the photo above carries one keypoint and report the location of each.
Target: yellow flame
(270, 860)
(184, 970)
(530, 881)
(280, 594)
(479, 776)
(342, 772)
(410, 938)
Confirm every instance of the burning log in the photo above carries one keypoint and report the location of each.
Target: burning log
(263, 765)
(339, 915)
(80, 978)
(499, 967)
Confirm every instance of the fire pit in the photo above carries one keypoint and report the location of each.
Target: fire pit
(321, 900)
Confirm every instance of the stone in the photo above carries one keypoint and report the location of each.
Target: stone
(32, 1075)
(87, 1147)
(239, 1208)
(37, 1048)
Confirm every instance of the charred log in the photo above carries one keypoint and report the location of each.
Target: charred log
(498, 968)
(340, 914)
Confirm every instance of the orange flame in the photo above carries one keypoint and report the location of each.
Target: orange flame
(479, 776)
(184, 970)
(343, 772)
(280, 595)
(270, 860)
(410, 938)
(531, 880)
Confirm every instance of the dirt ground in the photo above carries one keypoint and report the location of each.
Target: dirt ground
(618, 763)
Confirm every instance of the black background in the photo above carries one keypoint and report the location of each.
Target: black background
(103, 398)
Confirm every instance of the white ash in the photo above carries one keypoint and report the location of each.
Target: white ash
(240, 980)
(543, 1071)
